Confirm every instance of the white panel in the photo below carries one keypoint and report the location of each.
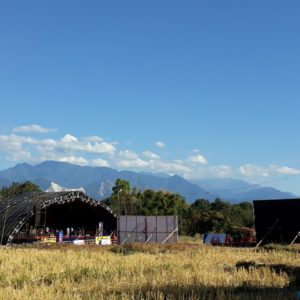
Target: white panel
(161, 224)
(152, 238)
(141, 223)
(151, 223)
(171, 223)
(161, 237)
(130, 224)
(122, 236)
(132, 228)
(122, 222)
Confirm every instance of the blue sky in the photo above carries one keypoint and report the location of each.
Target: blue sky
(215, 82)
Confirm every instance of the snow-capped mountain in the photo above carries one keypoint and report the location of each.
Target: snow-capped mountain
(54, 187)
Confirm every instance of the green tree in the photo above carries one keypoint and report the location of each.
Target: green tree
(219, 216)
(242, 215)
(148, 202)
(200, 217)
(161, 203)
(122, 200)
(121, 186)
(19, 188)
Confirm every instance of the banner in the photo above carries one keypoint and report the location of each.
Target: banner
(49, 240)
(103, 240)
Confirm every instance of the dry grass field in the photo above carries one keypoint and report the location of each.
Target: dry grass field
(185, 270)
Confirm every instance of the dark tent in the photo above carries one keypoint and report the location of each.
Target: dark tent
(277, 221)
(57, 211)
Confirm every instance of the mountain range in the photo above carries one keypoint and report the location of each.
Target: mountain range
(97, 182)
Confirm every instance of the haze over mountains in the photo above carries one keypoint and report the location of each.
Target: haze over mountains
(97, 182)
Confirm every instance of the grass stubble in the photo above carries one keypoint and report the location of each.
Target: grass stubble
(180, 271)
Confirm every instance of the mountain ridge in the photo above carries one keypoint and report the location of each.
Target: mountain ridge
(98, 182)
(240, 190)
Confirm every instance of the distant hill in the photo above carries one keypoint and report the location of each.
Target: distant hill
(98, 182)
(4, 182)
(235, 190)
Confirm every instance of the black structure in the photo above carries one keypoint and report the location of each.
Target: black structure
(58, 211)
(277, 221)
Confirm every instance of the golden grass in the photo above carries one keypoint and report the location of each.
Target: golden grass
(179, 271)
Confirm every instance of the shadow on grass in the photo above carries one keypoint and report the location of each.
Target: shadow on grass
(208, 293)
(279, 247)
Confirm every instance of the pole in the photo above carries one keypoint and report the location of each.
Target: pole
(118, 217)
(119, 202)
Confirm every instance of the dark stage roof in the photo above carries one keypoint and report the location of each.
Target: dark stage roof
(278, 220)
(63, 208)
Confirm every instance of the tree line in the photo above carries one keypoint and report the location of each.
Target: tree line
(199, 217)
(19, 188)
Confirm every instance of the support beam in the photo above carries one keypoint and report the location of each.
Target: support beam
(294, 240)
(268, 232)
(128, 236)
(149, 238)
(169, 235)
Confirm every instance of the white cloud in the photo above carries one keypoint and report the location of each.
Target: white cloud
(68, 138)
(133, 163)
(151, 155)
(287, 170)
(21, 155)
(24, 148)
(16, 140)
(250, 170)
(197, 159)
(48, 142)
(71, 144)
(74, 160)
(95, 151)
(221, 171)
(99, 163)
(9, 142)
(160, 144)
(32, 128)
(93, 139)
(12, 146)
(178, 161)
(129, 159)
(104, 147)
(175, 167)
(128, 154)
